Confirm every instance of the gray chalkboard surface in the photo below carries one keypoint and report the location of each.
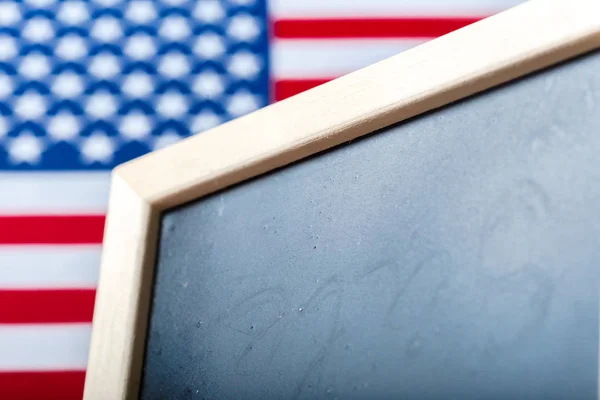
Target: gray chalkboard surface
(455, 255)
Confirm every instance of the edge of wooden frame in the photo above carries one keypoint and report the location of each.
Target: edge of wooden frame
(506, 46)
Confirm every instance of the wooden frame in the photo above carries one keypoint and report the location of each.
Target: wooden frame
(506, 46)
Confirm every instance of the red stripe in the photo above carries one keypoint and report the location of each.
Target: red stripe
(46, 306)
(368, 28)
(63, 385)
(285, 88)
(59, 229)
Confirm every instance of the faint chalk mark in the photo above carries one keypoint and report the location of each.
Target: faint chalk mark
(221, 207)
(317, 363)
(389, 262)
(273, 294)
(548, 84)
(527, 202)
(329, 288)
(534, 199)
(332, 280)
(245, 351)
(253, 275)
(590, 100)
(441, 262)
(530, 279)
(258, 300)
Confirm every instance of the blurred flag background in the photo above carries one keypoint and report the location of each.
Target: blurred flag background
(86, 85)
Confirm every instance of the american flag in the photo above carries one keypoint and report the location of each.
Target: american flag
(86, 85)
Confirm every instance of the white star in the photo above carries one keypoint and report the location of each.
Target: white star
(34, 66)
(209, 11)
(101, 105)
(107, 29)
(40, 3)
(135, 126)
(3, 127)
(242, 103)
(165, 140)
(6, 85)
(67, 85)
(73, 13)
(108, 3)
(172, 105)
(141, 11)
(243, 28)
(205, 120)
(9, 14)
(8, 48)
(140, 47)
(138, 84)
(26, 148)
(174, 29)
(38, 30)
(209, 85)
(105, 66)
(175, 2)
(30, 105)
(63, 126)
(97, 147)
(174, 65)
(71, 47)
(209, 46)
(244, 64)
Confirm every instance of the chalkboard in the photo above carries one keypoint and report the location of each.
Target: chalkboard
(454, 255)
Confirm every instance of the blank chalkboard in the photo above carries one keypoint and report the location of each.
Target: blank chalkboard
(454, 255)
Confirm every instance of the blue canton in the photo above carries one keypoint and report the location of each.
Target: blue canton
(91, 84)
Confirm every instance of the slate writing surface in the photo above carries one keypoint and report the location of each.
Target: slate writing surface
(455, 255)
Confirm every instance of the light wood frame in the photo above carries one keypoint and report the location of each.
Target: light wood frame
(498, 49)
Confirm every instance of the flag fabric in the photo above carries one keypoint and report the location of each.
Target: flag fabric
(87, 85)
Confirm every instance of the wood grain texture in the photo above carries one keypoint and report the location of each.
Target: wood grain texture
(490, 52)
(123, 295)
(508, 45)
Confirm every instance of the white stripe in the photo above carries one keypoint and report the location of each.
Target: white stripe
(331, 58)
(53, 193)
(385, 8)
(44, 347)
(49, 267)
